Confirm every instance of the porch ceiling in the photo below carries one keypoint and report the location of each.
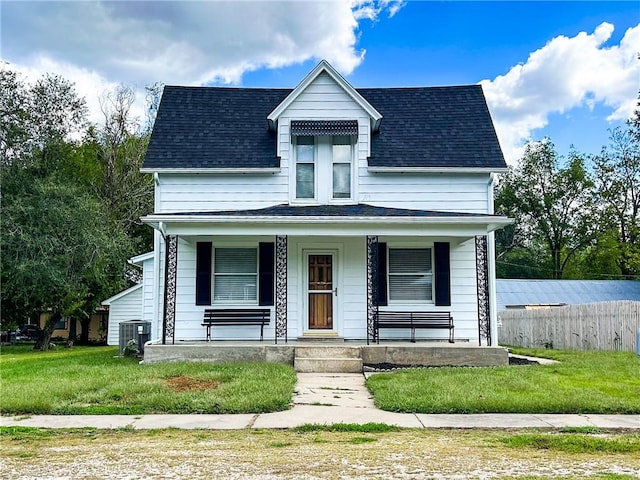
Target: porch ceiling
(328, 220)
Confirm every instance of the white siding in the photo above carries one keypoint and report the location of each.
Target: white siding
(147, 289)
(188, 314)
(464, 306)
(425, 191)
(127, 307)
(209, 192)
(351, 302)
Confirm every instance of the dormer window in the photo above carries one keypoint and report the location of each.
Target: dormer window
(342, 158)
(305, 167)
(323, 160)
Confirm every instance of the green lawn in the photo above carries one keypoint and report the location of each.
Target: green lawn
(584, 382)
(94, 380)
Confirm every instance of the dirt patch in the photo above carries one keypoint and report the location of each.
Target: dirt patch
(183, 383)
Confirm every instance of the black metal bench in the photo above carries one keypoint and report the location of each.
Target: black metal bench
(413, 320)
(236, 317)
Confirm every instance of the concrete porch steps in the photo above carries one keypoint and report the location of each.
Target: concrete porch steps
(327, 359)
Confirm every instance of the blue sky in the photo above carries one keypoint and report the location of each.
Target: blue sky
(568, 70)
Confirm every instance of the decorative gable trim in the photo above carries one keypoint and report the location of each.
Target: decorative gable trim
(324, 127)
(325, 67)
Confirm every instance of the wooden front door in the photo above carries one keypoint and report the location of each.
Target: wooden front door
(320, 290)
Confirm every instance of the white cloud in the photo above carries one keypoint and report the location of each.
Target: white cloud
(100, 44)
(88, 84)
(187, 42)
(567, 72)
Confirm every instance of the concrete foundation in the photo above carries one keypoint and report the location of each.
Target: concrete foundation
(346, 357)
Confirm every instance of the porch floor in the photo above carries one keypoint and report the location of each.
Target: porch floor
(323, 356)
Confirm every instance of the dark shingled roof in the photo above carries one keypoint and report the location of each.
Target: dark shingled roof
(433, 127)
(358, 210)
(210, 127)
(219, 127)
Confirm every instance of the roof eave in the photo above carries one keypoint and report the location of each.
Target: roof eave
(139, 259)
(492, 222)
(237, 171)
(400, 169)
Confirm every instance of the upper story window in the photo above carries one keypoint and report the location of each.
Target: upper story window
(305, 167)
(324, 167)
(342, 155)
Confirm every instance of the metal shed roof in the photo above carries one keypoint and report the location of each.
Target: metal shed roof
(572, 292)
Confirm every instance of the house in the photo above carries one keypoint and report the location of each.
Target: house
(134, 303)
(72, 329)
(323, 204)
(536, 294)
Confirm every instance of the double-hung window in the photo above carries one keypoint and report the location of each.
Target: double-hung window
(323, 167)
(341, 163)
(305, 167)
(235, 275)
(410, 275)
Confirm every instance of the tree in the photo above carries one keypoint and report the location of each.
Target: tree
(617, 173)
(122, 145)
(33, 116)
(59, 251)
(551, 204)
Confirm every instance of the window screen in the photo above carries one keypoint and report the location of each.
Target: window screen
(410, 275)
(235, 277)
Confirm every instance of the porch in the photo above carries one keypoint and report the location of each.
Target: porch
(335, 356)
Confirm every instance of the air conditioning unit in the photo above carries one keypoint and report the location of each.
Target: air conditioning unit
(137, 330)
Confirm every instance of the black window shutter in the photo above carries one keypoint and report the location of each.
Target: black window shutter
(266, 273)
(203, 273)
(381, 287)
(442, 273)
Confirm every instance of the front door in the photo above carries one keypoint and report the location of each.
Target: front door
(320, 290)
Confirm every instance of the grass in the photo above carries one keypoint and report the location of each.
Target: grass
(347, 427)
(575, 443)
(93, 380)
(405, 453)
(584, 382)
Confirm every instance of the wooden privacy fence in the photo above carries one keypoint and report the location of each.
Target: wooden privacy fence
(593, 326)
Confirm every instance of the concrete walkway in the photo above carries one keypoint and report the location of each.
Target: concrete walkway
(324, 399)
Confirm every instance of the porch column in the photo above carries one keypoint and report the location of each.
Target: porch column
(482, 282)
(281, 288)
(170, 277)
(372, 284)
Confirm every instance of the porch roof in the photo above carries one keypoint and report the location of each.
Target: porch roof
(358, 219)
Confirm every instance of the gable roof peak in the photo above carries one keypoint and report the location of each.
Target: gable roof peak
(325, 67)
